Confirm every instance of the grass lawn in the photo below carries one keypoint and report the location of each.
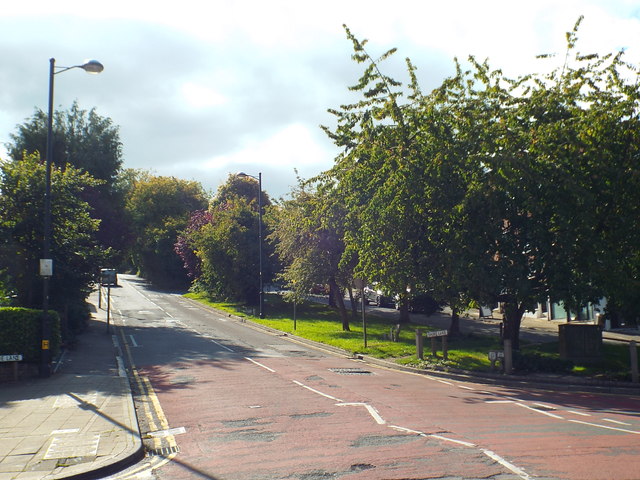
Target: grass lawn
(321, 323)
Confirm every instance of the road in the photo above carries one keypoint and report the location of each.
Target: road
(221, 399)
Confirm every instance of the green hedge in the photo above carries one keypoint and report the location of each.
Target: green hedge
(21, 331)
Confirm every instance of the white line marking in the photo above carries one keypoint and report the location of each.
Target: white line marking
(408, 430)
(446, 439)
(221, 345)
(579, 413)
(538, 411)
(167, 432)
(133, 341)
(317, 391)
(606, 426)
(372, 411)
(521, 473)
(465, 387)
(542, 405)
(499, 401)
(260, 365)
(494, 456)
(445, 382)
(615, 421)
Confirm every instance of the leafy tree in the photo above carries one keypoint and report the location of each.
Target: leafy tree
(90, 143)
(308, 235)
(74, 250)
(159, 208)
(220, 247)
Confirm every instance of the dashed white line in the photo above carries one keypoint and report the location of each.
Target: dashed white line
(260, 365)
(538, 410)
(606, 427)
(579, 413)
(615, 421)
(317, 391)
(506, 464)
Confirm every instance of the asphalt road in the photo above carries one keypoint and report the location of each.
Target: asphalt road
(220, 399)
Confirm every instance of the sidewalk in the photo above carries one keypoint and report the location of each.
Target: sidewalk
(78, 423)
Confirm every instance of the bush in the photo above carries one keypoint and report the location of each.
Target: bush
(535, 362)
(21, 331)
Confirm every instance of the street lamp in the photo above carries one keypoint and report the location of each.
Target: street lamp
(46, 264)
(259, 178)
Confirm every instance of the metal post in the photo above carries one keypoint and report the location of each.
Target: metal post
(364, 318)
(45, 352)
(108, 306)
(260, 240)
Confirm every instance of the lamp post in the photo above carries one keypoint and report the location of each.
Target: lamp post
(46, 263)
(260, 273)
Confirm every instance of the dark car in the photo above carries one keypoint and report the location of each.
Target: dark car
(422, 303)
(374, 295)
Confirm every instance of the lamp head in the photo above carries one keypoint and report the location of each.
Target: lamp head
(92, 66)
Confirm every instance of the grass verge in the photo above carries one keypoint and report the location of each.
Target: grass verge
(320, 323)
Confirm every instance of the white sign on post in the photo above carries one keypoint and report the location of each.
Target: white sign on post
(46, 267)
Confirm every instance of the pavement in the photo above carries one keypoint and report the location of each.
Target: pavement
(81, 421)
(78, 423)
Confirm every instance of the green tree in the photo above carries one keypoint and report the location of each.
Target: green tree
(226, 242)
(158, 209)
(307, 234)
(74, 250)
(90, 143)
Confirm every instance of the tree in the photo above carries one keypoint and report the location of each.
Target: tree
(159, 208)
(74, 249)
(90, 143)
(221, 246)
(307, 236)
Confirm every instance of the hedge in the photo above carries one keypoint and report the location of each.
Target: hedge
(21, 331)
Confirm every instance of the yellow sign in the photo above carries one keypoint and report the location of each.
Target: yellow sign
(45, 344)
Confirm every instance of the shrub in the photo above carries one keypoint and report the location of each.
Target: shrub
(535, 362)
(21, 331)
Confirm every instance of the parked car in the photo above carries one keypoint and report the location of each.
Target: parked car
(421, 303)
(374, 295)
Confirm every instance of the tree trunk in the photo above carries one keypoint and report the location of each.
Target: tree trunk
(454, 328)
(333, 291)
(404, 311)
(512, 319)
(338, 298)
(354, 303)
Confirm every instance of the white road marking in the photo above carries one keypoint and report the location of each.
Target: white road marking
(317, 391)
(372, 411)
(538, 410)
(133, 341)
(606, 427)
(615, 421)
(506, 464)
(446, 439)
(465, 387)
(579, 413)
(445, 382)
(260, 364)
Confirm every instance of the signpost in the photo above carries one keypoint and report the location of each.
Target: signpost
(434, 347)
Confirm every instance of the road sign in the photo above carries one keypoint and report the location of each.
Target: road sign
(10, 358)
(438, 333)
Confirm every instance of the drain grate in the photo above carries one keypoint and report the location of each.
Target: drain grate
(350, 371)
(162, 451)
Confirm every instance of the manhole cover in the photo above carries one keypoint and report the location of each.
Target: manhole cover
(350, 371)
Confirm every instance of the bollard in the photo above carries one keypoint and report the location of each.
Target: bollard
(445, 348)
(419, 344)
(633, 354)
(508, 357)
(434, 347)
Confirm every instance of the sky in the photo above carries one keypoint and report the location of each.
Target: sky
(202, 89)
